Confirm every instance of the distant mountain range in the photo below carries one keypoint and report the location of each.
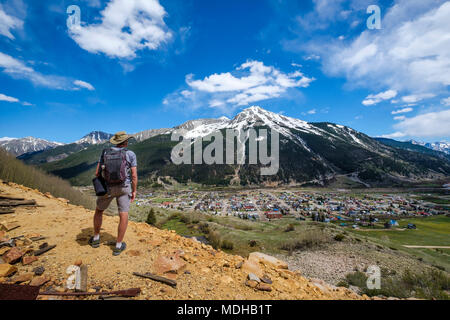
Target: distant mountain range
(310, 153)
(436, 146)
(19, 146)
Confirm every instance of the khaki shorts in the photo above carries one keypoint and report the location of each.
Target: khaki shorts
(122, 195)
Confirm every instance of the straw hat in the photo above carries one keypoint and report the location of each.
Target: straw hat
(120, 137)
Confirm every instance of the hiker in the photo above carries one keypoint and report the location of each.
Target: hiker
(118, 167)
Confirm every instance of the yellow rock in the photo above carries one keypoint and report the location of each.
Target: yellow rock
(266, 259)
(7, 270)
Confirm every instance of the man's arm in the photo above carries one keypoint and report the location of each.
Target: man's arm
(134, 180)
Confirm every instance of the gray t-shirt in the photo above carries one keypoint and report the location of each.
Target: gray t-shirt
(131, 162)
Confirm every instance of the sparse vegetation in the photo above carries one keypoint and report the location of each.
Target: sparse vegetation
(13, 170)
(430, 284)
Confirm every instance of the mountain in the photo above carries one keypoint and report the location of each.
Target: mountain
(413, 146)
(20, 146)
(95, 137)
(436, 146)
(310, 153)
(63, 151)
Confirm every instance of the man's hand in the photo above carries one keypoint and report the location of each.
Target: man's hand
(133, 196)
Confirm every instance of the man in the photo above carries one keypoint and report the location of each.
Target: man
(118, 166)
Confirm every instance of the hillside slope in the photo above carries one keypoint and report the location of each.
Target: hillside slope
(206, 273)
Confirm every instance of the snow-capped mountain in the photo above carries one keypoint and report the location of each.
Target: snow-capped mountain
(20, 146)
(436, 146)
(314, 153)
(95, 137)
(147, 134)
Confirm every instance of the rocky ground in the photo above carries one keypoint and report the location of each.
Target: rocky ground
(200, 271)
(333, 261)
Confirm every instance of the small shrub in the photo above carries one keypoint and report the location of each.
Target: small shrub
(214, 239)
(342, 283)
(151, 218)
(289, 228)
(357, 279)
(339, 237)
(252, 243)
(227, 245)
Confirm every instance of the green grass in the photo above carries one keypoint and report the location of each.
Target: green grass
(431, 231)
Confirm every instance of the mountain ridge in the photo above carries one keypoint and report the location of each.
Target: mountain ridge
(316, 153)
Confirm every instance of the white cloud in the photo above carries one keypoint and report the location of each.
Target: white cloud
(126, 27)
(19, 70)
(4, 97)
(373, 99)
(7, 23)
(249, 83)
(398, 118)
(8, 98)
(404, 110)
(410, 53)
(446, 101)
(417, 97)
(313, 111)
(83, 84)
(393, 135)
(432, 124)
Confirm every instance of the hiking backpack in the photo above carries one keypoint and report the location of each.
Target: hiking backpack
(115, 166)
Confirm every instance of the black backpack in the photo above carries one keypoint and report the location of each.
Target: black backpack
(115, 166)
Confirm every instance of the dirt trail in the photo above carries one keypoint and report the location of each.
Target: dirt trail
(205, 273)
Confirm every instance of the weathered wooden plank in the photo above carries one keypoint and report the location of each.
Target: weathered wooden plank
(154, 277)
(10, 198)
(133, 292)
(83, 278)
(16, 203)
(43, 250)
(6, 211)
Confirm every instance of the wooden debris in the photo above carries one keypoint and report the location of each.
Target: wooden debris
(10, 198)
(6, 211)
(154, 277)
(83, 279)
(133, 292)
(16, 203)
(34, 239)
(43, 250)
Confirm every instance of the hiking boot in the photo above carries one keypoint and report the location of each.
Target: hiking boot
(94, 243)
(118, 251)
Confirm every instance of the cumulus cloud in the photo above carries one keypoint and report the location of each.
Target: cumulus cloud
(432, 124)
(446, 101)
(410, 53)
(19, 70)
(249, 83)
(6, 98)
(404, 110)
(8, 23)
(417, 97)
(83, 84)
(373, 99)
(126, 27)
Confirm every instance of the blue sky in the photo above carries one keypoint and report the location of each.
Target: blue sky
(141, 64)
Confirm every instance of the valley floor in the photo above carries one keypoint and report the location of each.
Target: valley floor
(202, 272)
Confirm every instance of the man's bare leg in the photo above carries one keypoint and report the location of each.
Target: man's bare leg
(122, 226)
(98, 219)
